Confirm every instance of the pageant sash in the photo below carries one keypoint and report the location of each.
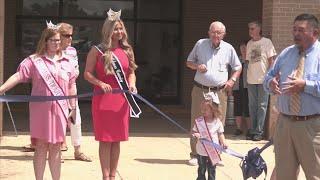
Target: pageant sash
(135, 110)
(123, 84)
(51, 83)
(204, 133)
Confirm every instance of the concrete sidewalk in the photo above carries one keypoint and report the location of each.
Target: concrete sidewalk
(143, 157)
(156, 150)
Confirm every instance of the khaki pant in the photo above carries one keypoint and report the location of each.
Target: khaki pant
(196, 99)
(297, 143)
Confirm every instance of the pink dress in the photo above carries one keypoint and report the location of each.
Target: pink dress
(110, 112)
(47, 121)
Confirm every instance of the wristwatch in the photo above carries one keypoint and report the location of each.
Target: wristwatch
(233, 79)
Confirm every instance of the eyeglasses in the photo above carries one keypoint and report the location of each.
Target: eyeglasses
(54, 40)
(300, 30)
(219, 33)
(67, 35)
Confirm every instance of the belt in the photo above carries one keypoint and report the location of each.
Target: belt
(212, 88)
(301, 118)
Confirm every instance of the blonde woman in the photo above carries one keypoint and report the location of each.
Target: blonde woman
(51, 74)
(66, 32)
(110, 111)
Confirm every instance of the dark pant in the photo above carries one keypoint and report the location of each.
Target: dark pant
(205, 164)
(258, 104)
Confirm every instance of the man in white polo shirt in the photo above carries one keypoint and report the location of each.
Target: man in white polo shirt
(210, 58)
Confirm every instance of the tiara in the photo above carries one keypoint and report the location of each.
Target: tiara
(211, 96)
(113, 15)
(50, 25)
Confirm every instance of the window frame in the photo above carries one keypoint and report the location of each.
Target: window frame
(135, 20)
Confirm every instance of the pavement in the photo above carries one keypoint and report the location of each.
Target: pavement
(156, 150)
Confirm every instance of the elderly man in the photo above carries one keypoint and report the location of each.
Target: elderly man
(295, 78)
(210, 59)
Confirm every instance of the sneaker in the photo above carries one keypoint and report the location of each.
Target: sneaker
(29, 148)
(249, 136)
(257, 137)
(220, 163)
(193, 162)
(237, 132)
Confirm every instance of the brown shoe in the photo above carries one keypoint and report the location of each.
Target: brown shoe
(29, 148)
(82, 157)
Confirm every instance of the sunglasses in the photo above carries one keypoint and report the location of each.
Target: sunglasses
(54, 40)
(66, 35)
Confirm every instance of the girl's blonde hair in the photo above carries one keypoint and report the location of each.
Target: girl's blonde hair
(64, 27)
(45, 36)
(107, 31)
(216, 113)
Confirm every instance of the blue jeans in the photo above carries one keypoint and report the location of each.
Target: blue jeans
(258, 104)
(205, 164)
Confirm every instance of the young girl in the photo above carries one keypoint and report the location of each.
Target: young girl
(214, 127)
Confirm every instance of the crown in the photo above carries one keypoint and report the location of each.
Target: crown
(113, 15)
(50, 25)
(211, 96)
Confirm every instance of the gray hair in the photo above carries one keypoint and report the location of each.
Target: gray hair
(218, 24)
(312, 20)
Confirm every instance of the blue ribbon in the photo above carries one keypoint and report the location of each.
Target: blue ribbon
(25, 98)
(220, 148)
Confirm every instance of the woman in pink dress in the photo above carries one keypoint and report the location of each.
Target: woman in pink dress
(110, 111)
(50, 73)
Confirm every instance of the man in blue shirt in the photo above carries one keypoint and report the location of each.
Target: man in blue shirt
(297, 135)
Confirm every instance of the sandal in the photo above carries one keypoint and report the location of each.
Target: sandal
(28, 148)
(64, 148)
(82, 157)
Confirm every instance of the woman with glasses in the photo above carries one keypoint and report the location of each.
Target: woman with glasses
(51, 74)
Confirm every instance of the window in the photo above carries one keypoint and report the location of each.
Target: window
(39, 8)
(153, 27)
(159, 9)
(96, 8)
(157, 47)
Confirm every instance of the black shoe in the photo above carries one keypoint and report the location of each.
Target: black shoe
(249, 136)
(237, 132)
(257, 137)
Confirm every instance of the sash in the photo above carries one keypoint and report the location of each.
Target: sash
(204, 133)
(51, 83)
(123, 84)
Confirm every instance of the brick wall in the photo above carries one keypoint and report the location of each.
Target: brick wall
(10, 56)
(1, 55)
(278, 16)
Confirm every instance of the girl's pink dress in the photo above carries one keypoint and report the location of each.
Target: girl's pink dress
(110, 111)
(47, 121)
